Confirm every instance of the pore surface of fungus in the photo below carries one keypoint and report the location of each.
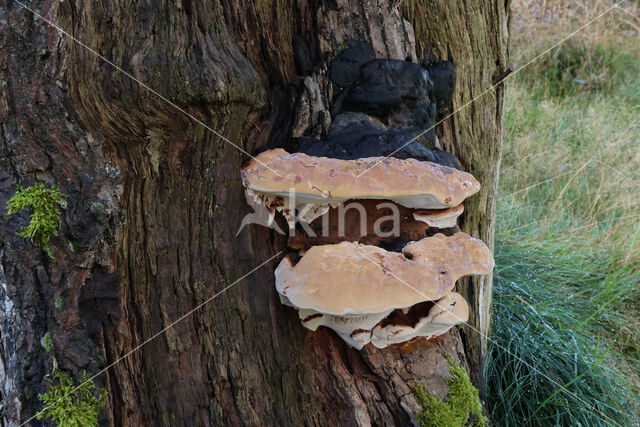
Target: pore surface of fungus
(450, 310)
(439, 218)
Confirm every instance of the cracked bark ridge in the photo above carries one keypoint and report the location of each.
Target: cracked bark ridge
(173, 201)
(75, 294)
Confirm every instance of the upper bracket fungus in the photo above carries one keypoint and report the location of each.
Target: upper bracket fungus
(318, 183)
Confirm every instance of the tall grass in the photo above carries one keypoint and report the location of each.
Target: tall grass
(554, 366)
(567, 301)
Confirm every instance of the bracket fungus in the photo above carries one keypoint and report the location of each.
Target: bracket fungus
(351, 288)
(318, 183)
(363, 292)
(372, 207)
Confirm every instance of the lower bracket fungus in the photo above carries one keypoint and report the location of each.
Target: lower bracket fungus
(356, 289)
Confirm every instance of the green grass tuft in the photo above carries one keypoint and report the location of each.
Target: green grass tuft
(549, 363)
(566, 335)
(461, 404)
(45, 213)
(68, 407)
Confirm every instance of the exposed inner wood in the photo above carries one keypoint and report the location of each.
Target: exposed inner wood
(370, 222)
(411, 317)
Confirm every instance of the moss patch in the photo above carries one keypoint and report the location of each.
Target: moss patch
(69, 405)
(47, 342)
(461, 407)
(96, 208)
(45, 213)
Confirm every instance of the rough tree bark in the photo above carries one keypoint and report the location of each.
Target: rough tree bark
(155, 201)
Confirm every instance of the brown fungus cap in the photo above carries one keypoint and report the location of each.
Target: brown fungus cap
(461, 252)
(353, 279)
(412, 183)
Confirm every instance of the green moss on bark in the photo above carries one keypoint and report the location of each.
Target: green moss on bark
(461, 407)
(70, 405)
(45, 213)
(47, 342)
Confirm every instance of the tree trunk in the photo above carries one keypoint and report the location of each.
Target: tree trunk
(155, 200)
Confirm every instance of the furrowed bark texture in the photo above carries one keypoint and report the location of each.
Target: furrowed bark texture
(473, 35)
(155, 200)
